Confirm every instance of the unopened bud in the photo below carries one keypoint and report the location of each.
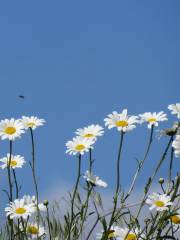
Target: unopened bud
(161, 180)
(45, 202)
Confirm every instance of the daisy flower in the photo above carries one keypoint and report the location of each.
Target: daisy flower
(32, 200)
(11, 129)
(94, 180)
(159, 201)
(176, 218)
(32, 122)
(92, 131)
(153, 118)
(114, 232)
(79, 145)
(34, 231)
(176, 146)
(18, 209)
(126, 234)
(16, 161)
(175, 109)
(121, 121)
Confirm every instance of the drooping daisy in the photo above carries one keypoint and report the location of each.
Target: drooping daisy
(113, 233)
(175, 109)
(153, 118)
(126, 234)
(11, 129)
(17, 161)
(176, 218)
(92, 131)
(32, 200)
(18, 209)
(32, 122)
(121, 121)
(176, 146)
(34, 231)
(79, 145)
(94, 180)
(160, 202)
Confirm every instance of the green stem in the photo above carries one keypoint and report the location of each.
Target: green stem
(141, 163)
(16, 184)
(117, 180)
(48, 221)
(74, 194)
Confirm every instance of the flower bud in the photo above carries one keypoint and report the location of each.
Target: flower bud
(161, 180)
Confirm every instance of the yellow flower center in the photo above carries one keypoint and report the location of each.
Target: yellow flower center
(131, 236)
(79, 147)
(175, 219)
(13, 163)
(152, 120)
(32, 230)
(111, 234)
(159, 204)
(30, 124)
(10, 130)
(20, 210)
(122, 123)
(89, 135)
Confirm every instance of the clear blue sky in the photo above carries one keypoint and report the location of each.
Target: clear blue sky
(77, 61)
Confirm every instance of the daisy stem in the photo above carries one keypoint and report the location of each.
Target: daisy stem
(74, 195)
(9, 172)
(90, 160)
(86, 205)
(33, 165)
(48, 221)
(141, 163)
(16, 184)
(24, 228)
(118, 181)
(10, 186)
(154, 174)
(170, 168)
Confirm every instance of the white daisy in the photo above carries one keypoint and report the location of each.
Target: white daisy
(126, 234)
(122, 121)
(153, 118)
(16, 161)
(18, 209)
(32, 122)
(34, 231)
(159, 201)
(11, 129)
(175, 109)
(79, 145)
(94, 180)
(114, 232)
(32, 200)
(92, 131)
(176, 218)
(176, 146)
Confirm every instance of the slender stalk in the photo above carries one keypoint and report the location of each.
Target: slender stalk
(16, 184)
(154, 174)
(73, 198)
(48, 221)
(90, 160)
(170, 168)
(9, 172)
(33, 165)
(141, 163)
(117, 180)
(10, 186)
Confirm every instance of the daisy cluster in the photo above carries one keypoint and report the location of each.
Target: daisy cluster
(87, 136)
(27, 206)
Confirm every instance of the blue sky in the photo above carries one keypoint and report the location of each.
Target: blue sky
(77, 61)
